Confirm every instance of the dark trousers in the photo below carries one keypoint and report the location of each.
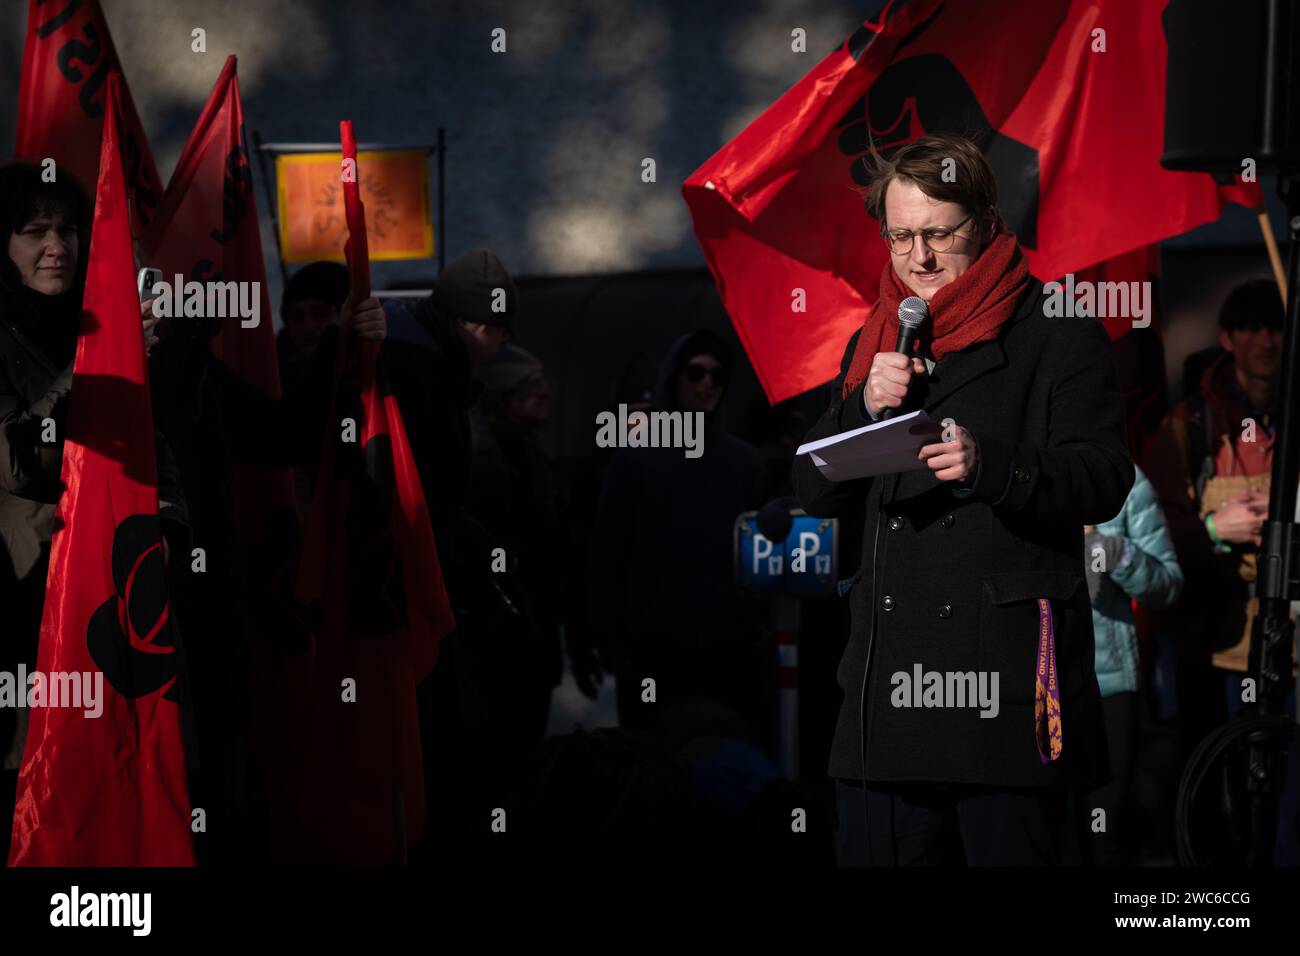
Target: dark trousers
(940, 825)
(1111, 845)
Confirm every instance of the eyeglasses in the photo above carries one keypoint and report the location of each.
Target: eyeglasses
(938, 239)
(695, 373)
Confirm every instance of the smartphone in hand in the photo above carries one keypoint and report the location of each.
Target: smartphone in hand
(146, 280)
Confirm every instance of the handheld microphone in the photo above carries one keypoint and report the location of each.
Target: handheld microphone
(913, 312)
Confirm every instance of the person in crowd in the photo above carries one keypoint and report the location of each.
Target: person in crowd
(45, 227)
(633, 389)
(1210, 464)
(513, 495)
(1128, 558)
(437, 343)
(436, 346)
(313, 301)
(664, 605)
(236, 612)
(971, 561)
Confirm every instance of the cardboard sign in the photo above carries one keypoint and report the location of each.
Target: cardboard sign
(395, 191)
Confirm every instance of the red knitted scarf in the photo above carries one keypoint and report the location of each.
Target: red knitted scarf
(968, 310)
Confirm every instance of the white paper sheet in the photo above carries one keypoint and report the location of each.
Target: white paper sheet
(880, 448)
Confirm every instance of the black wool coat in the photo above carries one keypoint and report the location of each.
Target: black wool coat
(950, 575)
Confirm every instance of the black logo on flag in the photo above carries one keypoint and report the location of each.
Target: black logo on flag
(927, 93)
(377, 590)
(76, 58)
(237, 187)
(132, 637)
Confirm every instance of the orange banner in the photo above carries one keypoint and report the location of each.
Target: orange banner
(395, 191)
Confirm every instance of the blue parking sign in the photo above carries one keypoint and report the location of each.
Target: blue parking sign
(805, 563)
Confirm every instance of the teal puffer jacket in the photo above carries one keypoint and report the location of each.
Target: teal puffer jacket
(1148, 571)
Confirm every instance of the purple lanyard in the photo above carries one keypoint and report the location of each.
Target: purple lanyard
(1047, 695)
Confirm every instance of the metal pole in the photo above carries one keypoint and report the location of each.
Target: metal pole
(785, 619)
(442, 200)
(1278, 546)
(271, 203)
(1273, 634)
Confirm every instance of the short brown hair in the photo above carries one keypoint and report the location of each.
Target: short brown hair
(922, 163)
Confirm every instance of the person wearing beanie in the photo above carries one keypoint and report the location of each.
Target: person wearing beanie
(476, 289)
(222, 427)
(515, 659)
(636, 386)
(434, 348)
(312, 302)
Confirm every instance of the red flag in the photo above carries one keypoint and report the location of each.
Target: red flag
(68, 56)
(107, 790)
(1139, 349)
(429, 615)
(1074, 135)
(357, 248)
(370, 569)
(1138, 265)
(206, 230)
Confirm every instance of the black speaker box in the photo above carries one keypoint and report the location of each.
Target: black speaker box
(1233, 85)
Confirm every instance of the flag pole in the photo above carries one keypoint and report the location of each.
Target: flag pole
(1274, 257)
(272, 205)
(442, 201)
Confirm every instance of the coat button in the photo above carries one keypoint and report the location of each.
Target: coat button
(947, 521)
(1020, 475)
(945, 610)
(887, 602)
(896, 523)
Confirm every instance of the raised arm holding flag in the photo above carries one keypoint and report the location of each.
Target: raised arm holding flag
(373, 586)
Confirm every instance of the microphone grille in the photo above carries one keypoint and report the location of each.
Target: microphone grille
(913, 311)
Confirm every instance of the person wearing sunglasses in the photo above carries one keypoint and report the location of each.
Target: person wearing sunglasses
(700, 386)
(663, 603)
(971, 560)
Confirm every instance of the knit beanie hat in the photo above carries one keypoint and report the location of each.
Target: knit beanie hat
(467, 289)
(636, 386)
(508, 368)
(326, 282)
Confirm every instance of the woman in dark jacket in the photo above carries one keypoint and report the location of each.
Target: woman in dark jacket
(45, 230)
(972, 565)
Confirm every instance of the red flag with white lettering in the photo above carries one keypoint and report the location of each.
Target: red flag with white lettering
(1065, 98)
(61, 96)
(107, 788)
